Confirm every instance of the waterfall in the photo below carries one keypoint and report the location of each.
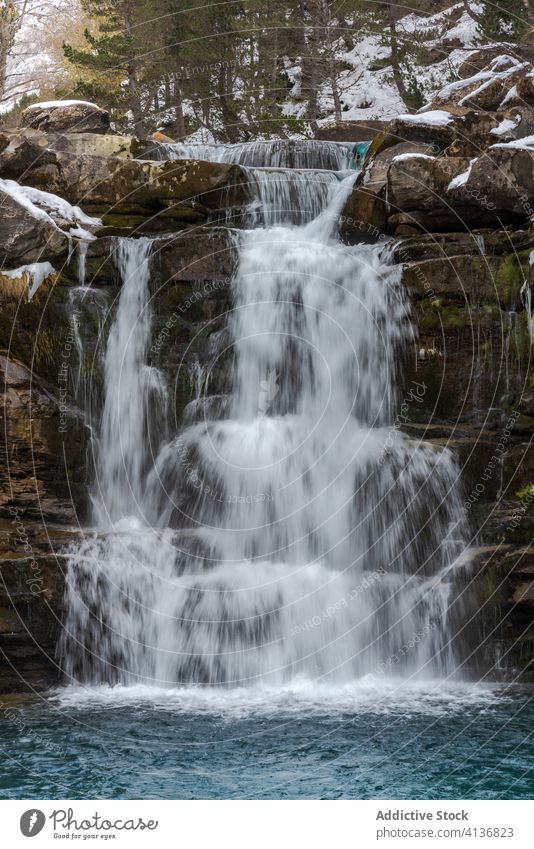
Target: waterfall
(293, 153)
(301, 537)
(288, 196)
(127, 379)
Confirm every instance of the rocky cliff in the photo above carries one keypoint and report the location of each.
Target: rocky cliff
(450, 189)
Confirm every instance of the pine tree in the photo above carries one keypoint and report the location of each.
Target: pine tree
(503, 21)
(116, 59)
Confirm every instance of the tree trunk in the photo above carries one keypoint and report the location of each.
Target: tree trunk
(335, 91)
(395, 59)
(310, 75)
(10, 21)
(179, 120)
(135, 103)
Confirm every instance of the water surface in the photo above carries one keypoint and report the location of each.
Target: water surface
(371, 741)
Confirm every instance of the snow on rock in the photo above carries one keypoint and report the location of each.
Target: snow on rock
(508, 97)
(461, 179)
(517, 144)
(36, 273)
(67, 116)
(402, 156)
(506, 126)
(500, 68)
(51, 208)
(434, 118)
(53, 104)
(55, 204)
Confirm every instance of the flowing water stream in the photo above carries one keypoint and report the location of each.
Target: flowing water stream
(300, 539)
(290, 153)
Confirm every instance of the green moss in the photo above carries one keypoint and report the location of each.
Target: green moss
(436, 314)
(526, 493)
(510, 277)
(382, 141)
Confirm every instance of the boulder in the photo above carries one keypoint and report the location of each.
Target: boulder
(183, 190)
(420, 183)
(67, 116)
(365, 213)
(25, 237)
(494, 188)
(459, 131)
(436, 127)
(350, 131)
(504, 176)
(24, 152)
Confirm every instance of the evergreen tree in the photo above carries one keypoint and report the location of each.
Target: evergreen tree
(503, 21)
(117, 60)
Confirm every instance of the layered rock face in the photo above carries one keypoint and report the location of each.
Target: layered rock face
(450, 189)
(453, 187)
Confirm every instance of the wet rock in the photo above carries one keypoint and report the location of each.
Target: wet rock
(32, 569)
(469, 279)
(193, 254)
(42, 449)
(482, 242)
(68, 116)
(198, 254)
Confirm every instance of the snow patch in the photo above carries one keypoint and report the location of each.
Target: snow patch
(53, 104)
(461, 179)
(37, 272)
(402, 156)
(517, 144)
(434, 118)
(504, 127)
(509, 96)
(45, 206)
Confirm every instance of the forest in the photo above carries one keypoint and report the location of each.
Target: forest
(231, 70)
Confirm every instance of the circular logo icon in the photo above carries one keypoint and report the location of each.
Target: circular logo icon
(32, 822)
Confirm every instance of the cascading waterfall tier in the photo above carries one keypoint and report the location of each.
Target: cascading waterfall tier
(292, 153)
(303, 536)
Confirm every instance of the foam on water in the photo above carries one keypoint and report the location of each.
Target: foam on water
(369, 696)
